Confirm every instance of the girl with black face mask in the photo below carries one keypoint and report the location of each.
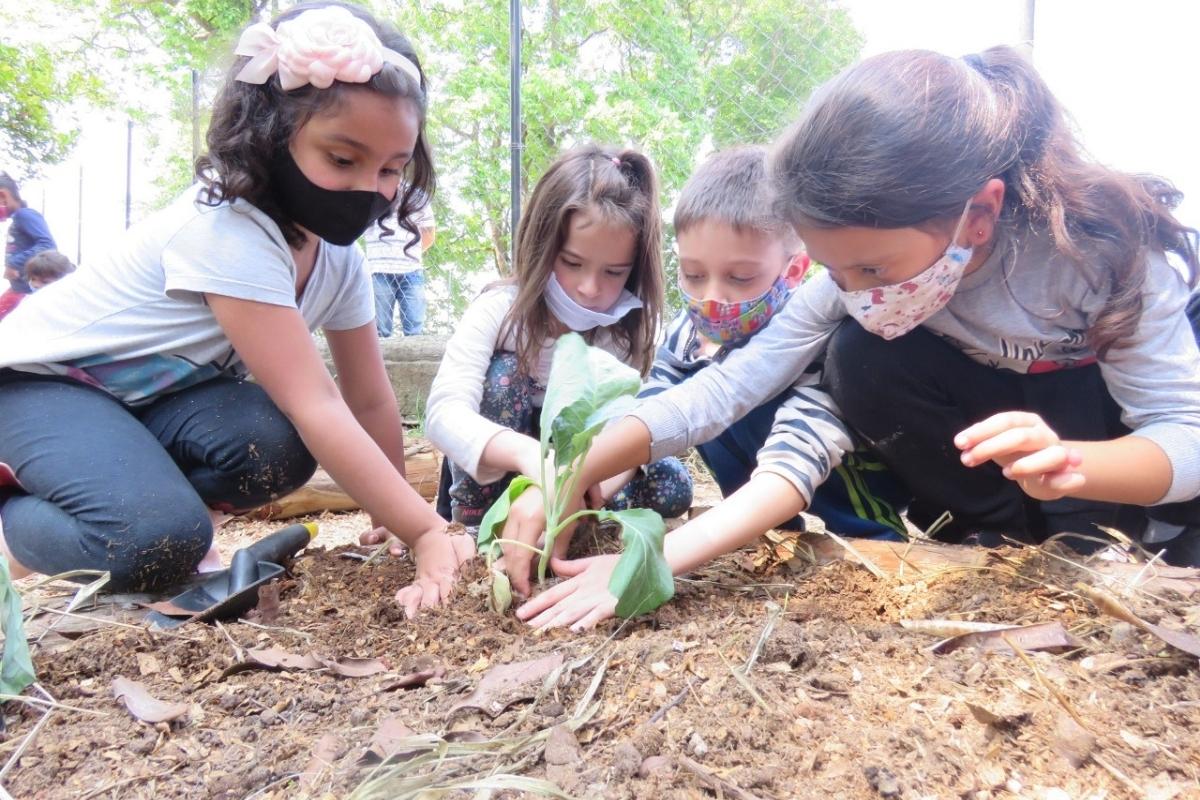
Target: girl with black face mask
(125, 413)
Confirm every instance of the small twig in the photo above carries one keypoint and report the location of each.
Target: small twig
(102, 621)
(125, 781)
(774, 612)
(377, 552)
(1054, 692)
(674, 701)
(1137, 579)
(1125, 780)
(871, 566)
(12, 760)
(238, 652)
(745, 682)
(306, 636)
(49, 704)
(277, 782)
(713, 782)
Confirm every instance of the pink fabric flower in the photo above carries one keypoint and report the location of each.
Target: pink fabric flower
(317, 47)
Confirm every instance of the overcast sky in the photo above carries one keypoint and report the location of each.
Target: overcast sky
(1126, 72)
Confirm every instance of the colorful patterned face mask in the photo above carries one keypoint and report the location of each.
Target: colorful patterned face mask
(894, 310)
(729, 323)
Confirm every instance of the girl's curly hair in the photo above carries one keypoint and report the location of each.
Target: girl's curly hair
(252, 124)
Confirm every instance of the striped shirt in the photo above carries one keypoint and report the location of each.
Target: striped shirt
(808, 438)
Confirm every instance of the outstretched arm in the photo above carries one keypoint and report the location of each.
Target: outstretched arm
(274, 343)
(584, 599)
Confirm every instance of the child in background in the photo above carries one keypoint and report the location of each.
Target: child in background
(589, 259)
(397, 275)
(47, 267)
(738, 265)
(125, 412)
(27, 233)
(41, 270)
(1018, 352)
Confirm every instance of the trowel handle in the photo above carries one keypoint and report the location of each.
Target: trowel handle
(283, 543)
(243, 570)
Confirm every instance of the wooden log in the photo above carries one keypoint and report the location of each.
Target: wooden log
(423, 466)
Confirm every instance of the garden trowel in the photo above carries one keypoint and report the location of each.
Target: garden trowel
(229, 593)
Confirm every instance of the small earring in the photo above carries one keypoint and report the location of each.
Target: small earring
(981, 231)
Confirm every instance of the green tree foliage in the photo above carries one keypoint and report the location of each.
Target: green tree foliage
(675, 78)
(671, 77)
(35, 88)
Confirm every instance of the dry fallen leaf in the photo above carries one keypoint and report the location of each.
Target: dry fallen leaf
(387, 742)
(349, 667)
(143, 705)
(506, 684)
(1108, 604)
(147, 664)
(274, 658)
(267, 610)
(326, 751)
(414, 679)
(1043, 636)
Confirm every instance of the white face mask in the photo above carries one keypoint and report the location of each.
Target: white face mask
(580, 319)
(894, 310)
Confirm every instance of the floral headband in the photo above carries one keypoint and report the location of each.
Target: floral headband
(317, 47)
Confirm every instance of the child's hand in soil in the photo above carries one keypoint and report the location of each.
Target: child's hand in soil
(438, 556)
(526, 523)
(581, 601)
(1029, 451)
(379, 535)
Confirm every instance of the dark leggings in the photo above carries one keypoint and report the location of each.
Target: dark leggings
(104, 486)
(908, 397)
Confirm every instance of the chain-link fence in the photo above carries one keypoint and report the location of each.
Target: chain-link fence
(675, 78)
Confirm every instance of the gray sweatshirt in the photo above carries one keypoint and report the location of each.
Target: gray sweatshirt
(1027, 308)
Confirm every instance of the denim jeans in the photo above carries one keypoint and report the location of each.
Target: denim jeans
(106, 486)
(406, 289)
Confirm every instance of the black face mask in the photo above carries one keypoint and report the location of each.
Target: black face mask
(338, 217)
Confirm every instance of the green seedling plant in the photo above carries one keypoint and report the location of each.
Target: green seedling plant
(588, 387)
(16, 668)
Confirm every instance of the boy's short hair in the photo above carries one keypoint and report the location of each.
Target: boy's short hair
(48, 265)
(734, 187)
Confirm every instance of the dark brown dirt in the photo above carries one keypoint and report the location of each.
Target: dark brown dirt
(842, 701)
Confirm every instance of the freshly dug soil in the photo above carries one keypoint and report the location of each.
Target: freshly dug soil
(841, 701)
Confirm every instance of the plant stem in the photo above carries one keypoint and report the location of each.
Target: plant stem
(519, 544)
(548, 510)
(577, 515)
(563, 492)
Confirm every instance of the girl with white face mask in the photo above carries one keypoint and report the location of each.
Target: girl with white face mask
(1017, 350)
(589, 260)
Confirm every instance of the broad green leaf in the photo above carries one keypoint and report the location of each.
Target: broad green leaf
(582, 381)
(576, 443)
(642, 581)
(495, 516)
(16, 670)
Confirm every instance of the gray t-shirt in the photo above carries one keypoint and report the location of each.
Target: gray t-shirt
(1027, 309)
(135, 322)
